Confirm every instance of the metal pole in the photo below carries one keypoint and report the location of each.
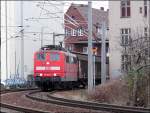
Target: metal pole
(149, 19)
(42, 36)
(103, 54)
(90, 63)
(53, 38)
(149, 62)
(22, 41)
(94, 72)
(15, 62)
(6, 41)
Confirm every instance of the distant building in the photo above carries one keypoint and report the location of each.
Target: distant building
(38, 22)
(76, 28)
(127, 20)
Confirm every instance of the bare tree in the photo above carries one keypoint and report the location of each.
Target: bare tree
(136, 57)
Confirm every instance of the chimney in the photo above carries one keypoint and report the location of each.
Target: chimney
(102, 8)
(81, 5)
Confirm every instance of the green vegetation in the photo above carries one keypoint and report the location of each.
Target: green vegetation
(139, 83)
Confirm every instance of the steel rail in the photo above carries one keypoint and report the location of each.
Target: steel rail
(15, 90)
(19, 108)
(89, 105)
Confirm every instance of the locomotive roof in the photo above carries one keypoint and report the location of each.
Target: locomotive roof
(52, 47)
(61, 51)
(55, 48)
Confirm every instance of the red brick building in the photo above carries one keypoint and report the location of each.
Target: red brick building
(76, 27)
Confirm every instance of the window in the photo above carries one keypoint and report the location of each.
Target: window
(73, 17)
(145, 11)
(73, 32)
(125, 36)
(80, 31)
(140, 9)
(71, 60)
(147, 52)
(41, 56)
(54, 57)
(125, 8)
(145, 32)
(70, 47)
(75, 60)
(67, 32)
(67, 59)
(85, 50)
(145, 8)
(126, 62)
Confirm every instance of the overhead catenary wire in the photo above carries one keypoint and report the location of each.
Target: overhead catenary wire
(73, 23)
(72, 19)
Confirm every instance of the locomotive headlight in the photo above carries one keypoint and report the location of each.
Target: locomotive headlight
(55, 74)
(47, 62)
(41, 74)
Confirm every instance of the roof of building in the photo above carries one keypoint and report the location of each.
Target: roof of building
(98, 16)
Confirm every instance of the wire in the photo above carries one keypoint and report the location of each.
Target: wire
(75, 22)
(41, 11)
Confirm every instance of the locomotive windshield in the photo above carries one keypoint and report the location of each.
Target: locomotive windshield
(54, 57)
(41, 56)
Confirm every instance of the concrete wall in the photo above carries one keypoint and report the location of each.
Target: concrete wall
(32, 41)
(136, 22)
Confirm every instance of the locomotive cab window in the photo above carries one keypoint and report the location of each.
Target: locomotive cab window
(67, 59)
(54, 57)
(41, 56)
(74, 60)
(71, 60)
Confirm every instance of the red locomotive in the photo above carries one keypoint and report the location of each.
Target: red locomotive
(53, 66)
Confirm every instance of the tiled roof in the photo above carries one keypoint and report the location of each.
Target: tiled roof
(98, 16)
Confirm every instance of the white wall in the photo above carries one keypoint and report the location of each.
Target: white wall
(32, 41)
(10, 42)
(136, 22)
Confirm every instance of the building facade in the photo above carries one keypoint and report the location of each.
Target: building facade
(76, 28)
(127, 20)
(76, 38)
(38, 28)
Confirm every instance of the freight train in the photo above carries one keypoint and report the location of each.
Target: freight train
(56, 67)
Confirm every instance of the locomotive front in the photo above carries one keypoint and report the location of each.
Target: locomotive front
(48, 68)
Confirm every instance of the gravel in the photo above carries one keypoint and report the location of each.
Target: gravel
(19, 99)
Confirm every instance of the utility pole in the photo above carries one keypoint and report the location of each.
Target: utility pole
(53, 38)
(22, 40)
(42, 28)
(148, 88)
(90, 63)
(6, 40)
(94, 70)
(15, 62)
(149, 18)
(103, 54)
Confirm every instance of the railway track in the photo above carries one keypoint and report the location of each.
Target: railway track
(15, 90)
(18, 108)
(88, 105)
